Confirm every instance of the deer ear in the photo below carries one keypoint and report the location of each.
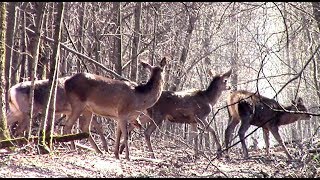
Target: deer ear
(163, 62)
(146, 65)
(227, 74)
(299, 101)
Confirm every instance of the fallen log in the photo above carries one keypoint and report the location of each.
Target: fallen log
(56, 138)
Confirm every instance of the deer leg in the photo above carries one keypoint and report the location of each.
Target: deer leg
(98, 127)
(266, 140)
(20, 120)
(147, 134)
(76, 111)
(122, 130)
(22, 127)
(194, 130)
(49, 125)
(228, 133)
(122, 146)
(275, 132)
(125, 139)
(215, 138)
(84, 122)
(118, 135)
(242, 131)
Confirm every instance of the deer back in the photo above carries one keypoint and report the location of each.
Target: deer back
(178, 108)
(19, 96)
(110, 97)
(185, 106)
(262, 109)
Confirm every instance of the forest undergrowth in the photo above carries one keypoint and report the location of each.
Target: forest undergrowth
(173, 159)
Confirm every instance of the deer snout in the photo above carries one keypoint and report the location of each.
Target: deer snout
(306, 117)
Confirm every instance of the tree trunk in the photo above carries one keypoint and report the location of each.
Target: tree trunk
(49, 111)
(97, 49)
(316, 64)
(316, 13)
(185, 49)
(135, 42)
(24, 56)
(4, 133)
(117, 54)
(35, 52)
(11, 24)
(82, 14)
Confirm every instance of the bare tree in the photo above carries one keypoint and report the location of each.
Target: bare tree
(11, 24)
(49, 111)
(135, 42)
(117, 53)
(192, 13)
(4, 133)
(35, 51)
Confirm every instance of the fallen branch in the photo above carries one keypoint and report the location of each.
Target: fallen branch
(23, 141)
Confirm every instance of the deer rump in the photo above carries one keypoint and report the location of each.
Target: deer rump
(257, 111)
(19, 106)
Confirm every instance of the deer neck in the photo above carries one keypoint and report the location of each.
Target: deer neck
(213, 92)
(288, 118)
(149, 93)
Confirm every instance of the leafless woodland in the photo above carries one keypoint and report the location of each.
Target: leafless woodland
(271, 47)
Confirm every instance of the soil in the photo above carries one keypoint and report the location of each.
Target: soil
(173, 159)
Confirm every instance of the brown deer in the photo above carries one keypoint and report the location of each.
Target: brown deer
(192, 107)
(19, 107)
(257, 110)
(116, 99)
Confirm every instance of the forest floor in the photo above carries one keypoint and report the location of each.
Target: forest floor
(173, 159)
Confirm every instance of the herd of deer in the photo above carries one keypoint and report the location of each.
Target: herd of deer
(132, 105)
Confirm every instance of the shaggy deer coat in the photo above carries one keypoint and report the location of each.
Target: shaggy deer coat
(253, 109)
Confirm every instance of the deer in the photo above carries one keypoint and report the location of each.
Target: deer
(120, 100)
(188, 106)
(19, 107)
(254, 109)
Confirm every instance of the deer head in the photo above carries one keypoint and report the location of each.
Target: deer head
(299, 106)
(149, 67)
(222, 79)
